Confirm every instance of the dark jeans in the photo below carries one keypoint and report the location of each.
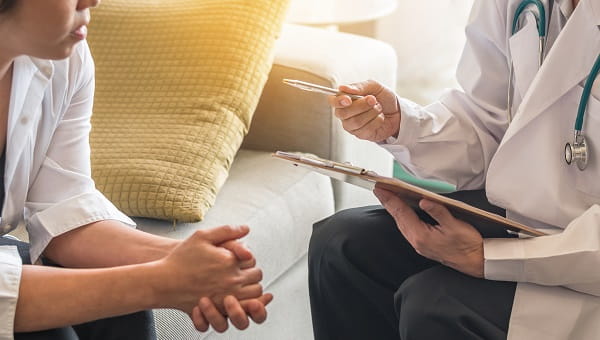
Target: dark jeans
(367, 282)
(134, 326)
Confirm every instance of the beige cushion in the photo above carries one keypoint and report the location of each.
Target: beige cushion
(176, 84)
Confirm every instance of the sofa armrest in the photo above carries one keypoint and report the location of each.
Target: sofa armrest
(292, 120)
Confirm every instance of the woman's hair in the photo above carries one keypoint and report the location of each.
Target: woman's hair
(5, 5)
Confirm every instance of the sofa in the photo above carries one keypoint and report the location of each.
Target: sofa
(278, 201)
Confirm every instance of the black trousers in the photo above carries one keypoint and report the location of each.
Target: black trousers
(136, 326)
(367, 282)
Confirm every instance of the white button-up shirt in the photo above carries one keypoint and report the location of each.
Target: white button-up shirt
(47, 174)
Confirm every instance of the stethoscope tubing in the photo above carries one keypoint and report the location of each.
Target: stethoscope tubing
(541, 20)
(585, 95)
(577, 152)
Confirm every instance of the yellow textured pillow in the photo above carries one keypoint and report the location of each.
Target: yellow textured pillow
(177, 82)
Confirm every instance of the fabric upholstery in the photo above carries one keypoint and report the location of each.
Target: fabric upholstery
(177, 83)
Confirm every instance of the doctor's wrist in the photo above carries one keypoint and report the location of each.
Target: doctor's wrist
(471, 263)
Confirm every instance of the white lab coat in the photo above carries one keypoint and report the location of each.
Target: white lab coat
(47, 172)
(465, 139)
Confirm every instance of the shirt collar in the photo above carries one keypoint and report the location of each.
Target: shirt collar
(566, 8)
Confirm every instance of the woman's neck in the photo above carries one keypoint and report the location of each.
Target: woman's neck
(5, 68)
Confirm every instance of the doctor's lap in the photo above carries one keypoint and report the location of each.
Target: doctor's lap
(359, 259)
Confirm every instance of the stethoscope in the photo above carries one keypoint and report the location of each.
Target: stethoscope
(576, 152)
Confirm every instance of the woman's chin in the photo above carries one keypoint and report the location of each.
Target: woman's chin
(59, 53)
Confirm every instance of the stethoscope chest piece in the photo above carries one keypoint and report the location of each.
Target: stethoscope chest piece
(577, 152)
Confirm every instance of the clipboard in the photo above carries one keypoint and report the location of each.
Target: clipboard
(412, 194)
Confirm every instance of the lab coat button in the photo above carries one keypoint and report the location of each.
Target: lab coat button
(24, 120)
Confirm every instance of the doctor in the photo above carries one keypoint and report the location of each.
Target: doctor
(389, 275)
(108, 273)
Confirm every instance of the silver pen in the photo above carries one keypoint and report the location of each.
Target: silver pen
(318, 88)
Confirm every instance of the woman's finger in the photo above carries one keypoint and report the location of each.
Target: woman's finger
(253, 291)
(212, 315)
(251, 276)
(256, 308)
(236, 313)
(198, 319)
(242, 253)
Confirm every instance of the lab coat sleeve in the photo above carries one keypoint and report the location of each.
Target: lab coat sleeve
(10, 267)
(63, 196)
(455, 138)
(570, 259)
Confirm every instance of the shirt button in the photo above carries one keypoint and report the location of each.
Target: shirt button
(24, 120)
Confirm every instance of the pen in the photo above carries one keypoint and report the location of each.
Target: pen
(318, 88)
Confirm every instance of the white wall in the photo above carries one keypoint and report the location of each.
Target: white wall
(428, 36)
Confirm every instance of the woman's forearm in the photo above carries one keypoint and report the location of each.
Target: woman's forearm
(51, 297)
(107, 244)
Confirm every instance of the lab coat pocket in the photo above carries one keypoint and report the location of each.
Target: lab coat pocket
(524, 53)
(587, 181)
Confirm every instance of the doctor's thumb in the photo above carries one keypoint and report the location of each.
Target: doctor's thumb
(362, 88)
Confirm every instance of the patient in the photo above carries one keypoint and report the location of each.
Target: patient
(107, 275)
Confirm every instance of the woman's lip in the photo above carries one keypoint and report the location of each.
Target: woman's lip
(80, 33)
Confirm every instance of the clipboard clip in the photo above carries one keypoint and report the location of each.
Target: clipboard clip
(314, 160)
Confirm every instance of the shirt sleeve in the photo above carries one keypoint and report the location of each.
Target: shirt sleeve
(565, 259)
(63, 195)
(10, 279)
(455, 138)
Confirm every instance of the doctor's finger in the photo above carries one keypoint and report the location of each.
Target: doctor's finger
(362, 88)
(370, 130)
(339, 102)
(439, 212)
(362, 120)
(358, 106)
(404, 215)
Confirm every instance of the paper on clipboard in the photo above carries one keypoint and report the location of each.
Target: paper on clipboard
(410, 193)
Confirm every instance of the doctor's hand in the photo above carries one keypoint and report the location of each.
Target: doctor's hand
(374, 117)
(451, 242)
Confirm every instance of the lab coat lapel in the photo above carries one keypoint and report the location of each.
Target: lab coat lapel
(567, 64)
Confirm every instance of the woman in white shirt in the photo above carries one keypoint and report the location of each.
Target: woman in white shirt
(46, 95)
